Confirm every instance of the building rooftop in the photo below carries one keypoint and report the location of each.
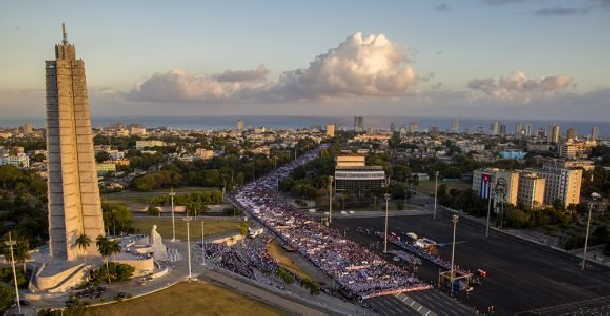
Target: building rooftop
(359, 168)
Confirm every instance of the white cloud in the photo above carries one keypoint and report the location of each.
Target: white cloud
(360, 66)
(517, 85)
(258, 74)
(182, 86)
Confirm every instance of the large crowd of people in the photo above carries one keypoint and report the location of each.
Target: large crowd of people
(242, 258)
(361, 273)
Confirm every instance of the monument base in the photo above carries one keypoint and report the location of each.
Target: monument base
(54, 277)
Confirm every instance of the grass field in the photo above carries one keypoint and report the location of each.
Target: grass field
(279, 255)
(145, 197)
(164, 227)
(428, 187)
(187, 298)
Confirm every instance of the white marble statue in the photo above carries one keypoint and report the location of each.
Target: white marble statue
(158, 248)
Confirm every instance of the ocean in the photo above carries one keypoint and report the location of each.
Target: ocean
(347, 122)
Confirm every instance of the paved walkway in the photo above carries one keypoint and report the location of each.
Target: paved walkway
(290, 305)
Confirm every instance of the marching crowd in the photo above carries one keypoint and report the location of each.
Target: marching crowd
(361, 273)
(242, 258)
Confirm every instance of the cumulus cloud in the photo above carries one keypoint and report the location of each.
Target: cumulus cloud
(258, 74)
(360, 66)
(518, 85)
(182, 86)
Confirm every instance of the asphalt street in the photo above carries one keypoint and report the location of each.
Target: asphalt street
(521, 275)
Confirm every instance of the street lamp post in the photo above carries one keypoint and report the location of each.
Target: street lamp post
(330, 200)
(594, 197)
(491, 190)
(172, 194)
(10, 244)
(188, 243)
(435, 193)
(454, 220)
(385, 235)
(202, 248)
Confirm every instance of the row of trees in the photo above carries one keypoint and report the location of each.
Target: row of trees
(229, 170)
(118, 218)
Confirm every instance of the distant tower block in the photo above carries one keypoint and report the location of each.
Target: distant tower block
(74, 199)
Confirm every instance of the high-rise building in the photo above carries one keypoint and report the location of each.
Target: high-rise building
(595, 133)
(27, 128)
(137, 130)
(392, 127)
(531, 189)
(74, 200)
(358, 124)
(502, 129)
(330, 130)
(529, 129)
(555, 134)
(495, 128)
(519, 129)
(571, 134)
(562, 183)
(455, 126)
(483, 179)
(413, 127)
(573, 150)
(239, 125)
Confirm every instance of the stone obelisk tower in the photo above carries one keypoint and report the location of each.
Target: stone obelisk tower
(74, 199)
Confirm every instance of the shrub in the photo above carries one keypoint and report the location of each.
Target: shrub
(314, 287)
(7, 297)
(286, 276)
(118, 272)
(6, 276)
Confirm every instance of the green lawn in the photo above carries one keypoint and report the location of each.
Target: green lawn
(164, 227)
(187, 298)
(281, 257)
(129, 197)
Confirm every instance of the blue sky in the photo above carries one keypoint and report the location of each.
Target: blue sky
(125, 42)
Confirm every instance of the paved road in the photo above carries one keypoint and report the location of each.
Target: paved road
(262, 294)
(440, 303)
(389, 305)
(521, 276)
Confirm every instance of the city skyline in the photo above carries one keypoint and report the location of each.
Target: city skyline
(425, 59)
(443, 157)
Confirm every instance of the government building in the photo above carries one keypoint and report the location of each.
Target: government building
(351, 174)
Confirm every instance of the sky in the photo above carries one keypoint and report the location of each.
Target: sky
(499, 59)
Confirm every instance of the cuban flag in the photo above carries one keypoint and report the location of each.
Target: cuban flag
(485, 185)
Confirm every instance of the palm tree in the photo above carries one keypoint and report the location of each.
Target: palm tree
(83, 241)
(107, 248)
